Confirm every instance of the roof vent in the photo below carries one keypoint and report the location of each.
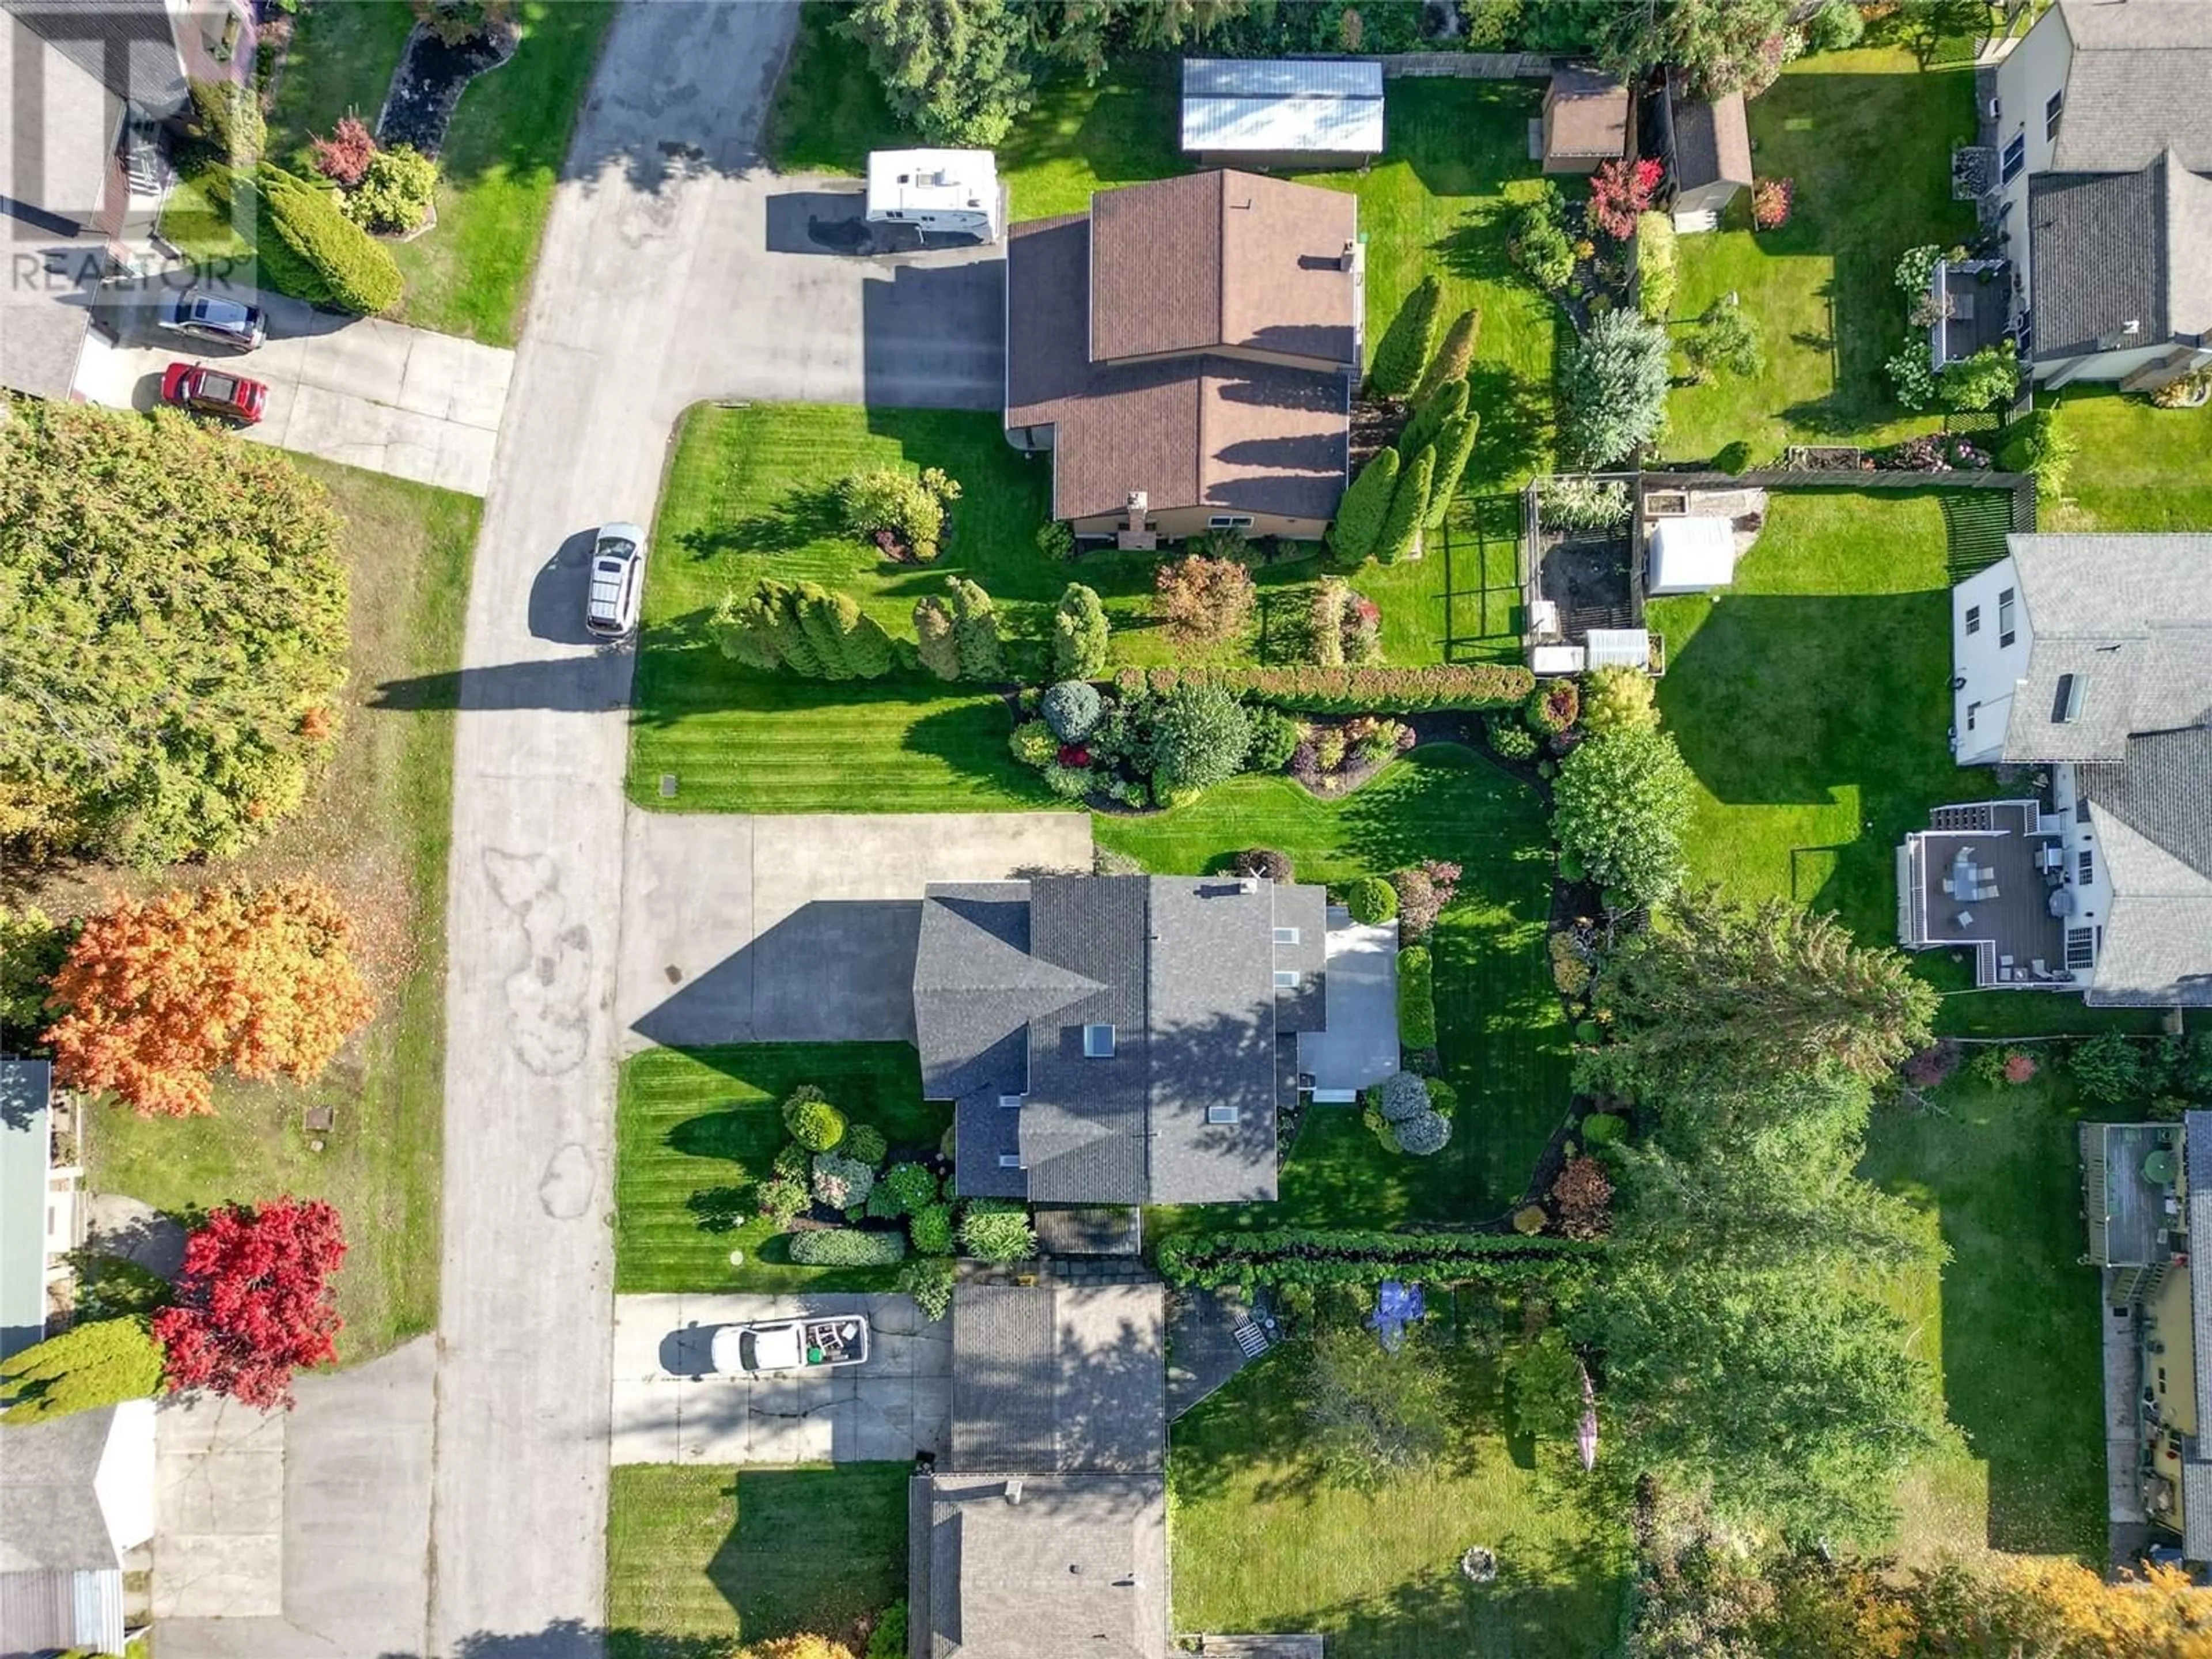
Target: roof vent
(1248, 885)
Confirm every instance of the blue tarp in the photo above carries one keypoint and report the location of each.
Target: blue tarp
(1396, 1306)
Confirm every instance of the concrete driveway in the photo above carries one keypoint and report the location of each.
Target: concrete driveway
(893, 1404)
(358, 389)
(1359, 1047)
(800, 929)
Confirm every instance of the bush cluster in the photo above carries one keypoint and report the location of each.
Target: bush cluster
(1654, 265)
(865, 1142)
(932, 1229)
(902, 512)
(1539, 244)
(1509, 738)
(1424, 891)
(847, 1247)
(1342, 626)
(1343, 689)
(811, 1121)
(998, 1230)
(839, 1181)
(1315, 1256)
(1553, 708)
(804, 629)
(928, 1280)
(2042, 448)
(394, 192)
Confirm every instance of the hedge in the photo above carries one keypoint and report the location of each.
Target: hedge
(847, 1247)
(1416, 997)
(1312, 1256)
(359, 270)
(1352, 690)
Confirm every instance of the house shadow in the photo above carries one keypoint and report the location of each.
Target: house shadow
(597, 684)
(834, 970)
(575, 1638)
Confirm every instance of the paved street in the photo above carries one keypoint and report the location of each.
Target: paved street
(895, 1403)
(800, 929)
(360, 390)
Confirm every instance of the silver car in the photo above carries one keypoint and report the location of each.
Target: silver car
(213, 319)
(617, 579)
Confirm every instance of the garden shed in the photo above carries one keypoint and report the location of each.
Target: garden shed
(1693, 553)
(1282, 112)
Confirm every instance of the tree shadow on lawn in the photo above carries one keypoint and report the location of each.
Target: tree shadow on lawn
(800, 518)
(1516, 424)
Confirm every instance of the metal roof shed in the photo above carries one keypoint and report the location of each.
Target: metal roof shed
(1288, 112)
(1690, 555)
(25, 1157)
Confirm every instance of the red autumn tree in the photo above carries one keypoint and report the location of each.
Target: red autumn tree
(344, 157)
(253, 1301)
(1619, 191)
(154, 998)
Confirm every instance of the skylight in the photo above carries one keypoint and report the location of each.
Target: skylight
(1222, 1115)
(1098, 1043)
(2066, 707)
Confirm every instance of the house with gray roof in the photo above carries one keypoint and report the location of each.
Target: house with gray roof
(76, 1497)
(2102, 196)
(2088, 659)
(1119, 1039)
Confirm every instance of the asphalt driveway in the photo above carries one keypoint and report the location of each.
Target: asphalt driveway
(800, 929)
(893, 1404)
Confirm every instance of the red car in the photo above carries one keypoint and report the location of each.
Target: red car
(206, 391)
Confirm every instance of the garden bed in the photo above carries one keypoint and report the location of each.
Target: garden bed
(433, 74)
(1587, 574)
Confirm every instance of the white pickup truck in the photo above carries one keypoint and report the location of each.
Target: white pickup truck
(789, 1344)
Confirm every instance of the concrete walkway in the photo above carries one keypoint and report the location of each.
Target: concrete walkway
(368, 392)
(668, 1408)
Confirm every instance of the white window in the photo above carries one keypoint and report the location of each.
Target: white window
(1010, 1160)
(1973, 619)
(1229, 521)
(1222, 1115)
(1286, 936)
(1010, 1102)
(1098, 1043)
(2015, 157)
(2005, 634)
(1972, 709)
(1286, 979)
(2085, 864)
(2081, 947)
(2052, 108)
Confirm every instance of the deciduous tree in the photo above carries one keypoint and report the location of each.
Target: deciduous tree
(1201, 600)
(156, 997)
(1374, 1414)
(1724, 338)
(254, 1301)
(1622, 804)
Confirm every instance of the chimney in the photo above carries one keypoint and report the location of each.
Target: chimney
(1140, 504)
(1014, 1490)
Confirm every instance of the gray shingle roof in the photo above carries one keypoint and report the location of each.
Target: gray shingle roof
(1058, 1380)
(2097, 246)
(974, 981)
(1078, 1566)
(51, 1519)
(1712, 141)
(1082, 1126)
(2197, 1473)
(2157, 946)
(2136, 84)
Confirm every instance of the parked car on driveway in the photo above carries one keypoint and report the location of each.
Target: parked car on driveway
(206, 391)
(789, 1344)
(617, 579)
(214, 317)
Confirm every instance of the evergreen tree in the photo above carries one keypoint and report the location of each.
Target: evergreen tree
(825, 618)
(1359, 515)
(1408, 344)
(1454, 357)
(97, 1363)
(1447, 403)
(954, 71)
(771, 611)
(1454, 448)
(1081, 636)
(744, 628)
(932, 633)
(975, 631)
(1409, 510)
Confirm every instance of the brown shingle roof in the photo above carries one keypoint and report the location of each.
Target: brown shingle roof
(1712, 142)
(1587, 113)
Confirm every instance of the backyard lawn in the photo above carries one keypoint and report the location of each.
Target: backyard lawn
(1866, 137)
(695, 1129)
(1261, 1541)
(2139, 467)
(377, 829)
(700, 1558)
(1502, 1039)
(2012, 1321)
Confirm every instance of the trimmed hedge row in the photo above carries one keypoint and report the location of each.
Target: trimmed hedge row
(1350, 690)
(360, 272)
(847, 1247)
(1314, 1255)
(1416, 997)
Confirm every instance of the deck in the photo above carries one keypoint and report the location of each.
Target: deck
(2002, 916)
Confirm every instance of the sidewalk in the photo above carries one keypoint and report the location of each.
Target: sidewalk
(359, 389)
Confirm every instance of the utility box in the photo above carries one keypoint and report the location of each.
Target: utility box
(938, 192)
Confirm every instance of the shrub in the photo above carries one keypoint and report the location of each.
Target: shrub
(1836, 26)
(1603, 1129)
(887, 1639)
(1772, 202)
(1263, 862)
(1056, 539)
(1583, 1194)
(907, 1188)
(2183, 391)
(1654, 265)
(1201, 737)
(1529, 1219)
(811, 1121)
(1911, 375)
(1070, 708)
(2019, 1068)
(1552, 707)
(1733, 458)
(1509, 738)
(1454, 357)
(847, 1247)
(2045, 449)
(1916, 268)
(1622, 804)
(1200, 600)
(1988, 380)
(799, 1645)
(1621, 192)
(1314, 1257)
(1725, 338)
(1372, 900)
(395, 192)
(974, 630)
(1578, 501)
(1613, 389)
(1454, 449)
(1423, 1135)
(1447, 403)
(1326, 691)
(1359, 515)
(909, 508)
(865, 1142)
(1425, 890)
(1931, 1067)
(1082, 638)
(793, 1162)
(1033, 743)
(1069, 783)
(359, 273)
(1417, 999)
(1408, 344)
(1274, 736)
(997, 1229)
(1618, 699)
(95, 1363)
(928, 1278)
(1539, 245)
(228, 118)
(344, 157)
(1400, 1096)
(779, 1199)
(2108, 1069)
(1401, 536)
(1570, 968)
(931, 1228)
(839, 1181)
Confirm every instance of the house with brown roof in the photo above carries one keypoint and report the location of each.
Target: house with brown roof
(1187, 353)
(1585, 120)
(1707, 148)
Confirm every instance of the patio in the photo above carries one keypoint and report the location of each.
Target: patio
(1358, 1046)
(1984, 875)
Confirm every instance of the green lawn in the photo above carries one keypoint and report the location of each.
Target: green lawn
(700, 1558)
(695, 1129)
(1502, 1037)
(2012, 1321)
(470, 275)
(2139, 467)
(1866, 137)
(1261, 1542)
(378, 830)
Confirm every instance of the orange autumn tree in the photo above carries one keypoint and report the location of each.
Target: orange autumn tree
(156, 998)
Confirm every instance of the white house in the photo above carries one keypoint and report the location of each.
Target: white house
(2089, 659)
(2103, 130)
(76, 1497)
